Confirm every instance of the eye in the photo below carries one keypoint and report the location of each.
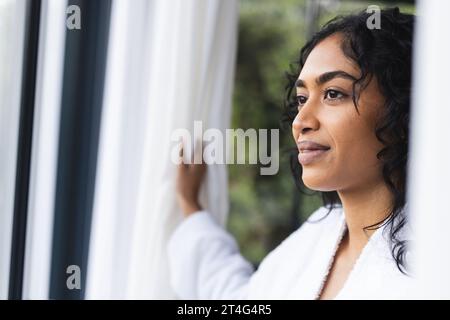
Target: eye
(301, 100)
(334, 95)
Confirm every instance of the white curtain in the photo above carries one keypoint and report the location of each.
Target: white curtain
(429, 171)
(170, 63)
(12, 23)
(45, 150)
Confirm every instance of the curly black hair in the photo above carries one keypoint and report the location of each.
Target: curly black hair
(385, 53)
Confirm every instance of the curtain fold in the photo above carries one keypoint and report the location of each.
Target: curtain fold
(45, 150)
(170, 63)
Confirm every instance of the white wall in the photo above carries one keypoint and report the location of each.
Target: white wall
(429, 171)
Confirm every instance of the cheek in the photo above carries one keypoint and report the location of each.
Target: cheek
(353, 158)
(295, 128)
(356, 151)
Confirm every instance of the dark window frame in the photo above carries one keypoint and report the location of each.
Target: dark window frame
(26, 118)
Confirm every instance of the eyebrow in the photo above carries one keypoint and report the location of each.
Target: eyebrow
(325, 77)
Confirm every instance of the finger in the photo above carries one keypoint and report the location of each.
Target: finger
(186, 152)
(199, 169)
(183, 155)
(181, 167)
(184, 164)
(198, 152)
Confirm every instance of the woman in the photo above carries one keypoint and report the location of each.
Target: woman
(350, 123)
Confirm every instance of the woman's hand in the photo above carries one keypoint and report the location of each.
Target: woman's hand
(189, 181)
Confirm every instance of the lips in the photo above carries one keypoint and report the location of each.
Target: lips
(311, 145)
(311, 151)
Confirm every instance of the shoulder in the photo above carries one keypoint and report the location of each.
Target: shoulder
(319, 222)
(296, 249)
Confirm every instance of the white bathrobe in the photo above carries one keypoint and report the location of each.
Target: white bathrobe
(205, 263)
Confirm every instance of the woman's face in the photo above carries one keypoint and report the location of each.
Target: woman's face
(327, 116)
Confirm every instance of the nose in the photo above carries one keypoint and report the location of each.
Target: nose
(305, 120)
(299, 125)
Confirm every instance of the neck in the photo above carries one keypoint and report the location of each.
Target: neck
(364, 207)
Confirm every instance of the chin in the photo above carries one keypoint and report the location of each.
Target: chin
(316, 183)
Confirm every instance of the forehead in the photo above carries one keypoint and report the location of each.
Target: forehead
(327, 56)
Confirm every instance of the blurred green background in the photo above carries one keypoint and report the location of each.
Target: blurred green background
(266, 209)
